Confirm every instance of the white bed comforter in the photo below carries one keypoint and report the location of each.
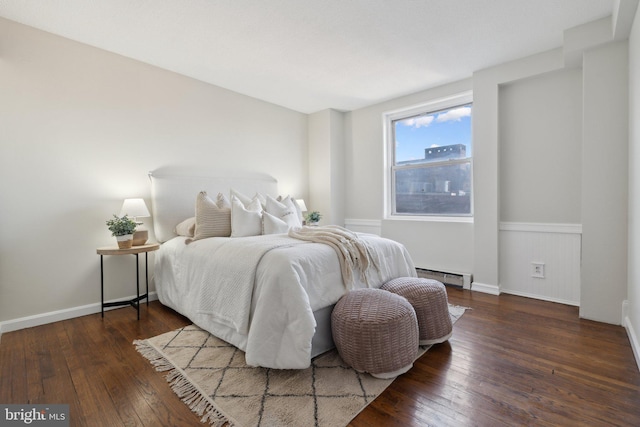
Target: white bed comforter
(236, 262)
(292, 280)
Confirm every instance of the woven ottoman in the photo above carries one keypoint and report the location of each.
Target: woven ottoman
(376, 332)
(429, 300)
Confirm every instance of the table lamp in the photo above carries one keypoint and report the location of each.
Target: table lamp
(136, 208)
(301, 205)
(303, 209)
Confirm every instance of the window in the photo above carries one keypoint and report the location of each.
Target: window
(429, 159)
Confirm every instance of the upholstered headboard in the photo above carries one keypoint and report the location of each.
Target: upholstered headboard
(174, 191)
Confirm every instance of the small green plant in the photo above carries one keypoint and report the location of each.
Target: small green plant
(121, 226)
(313, 217)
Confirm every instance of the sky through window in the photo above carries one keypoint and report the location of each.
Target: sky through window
(415, 134)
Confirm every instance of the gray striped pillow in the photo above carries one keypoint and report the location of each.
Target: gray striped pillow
(213, 219)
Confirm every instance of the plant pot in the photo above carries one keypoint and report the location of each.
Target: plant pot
(140, 237)
(125, 242)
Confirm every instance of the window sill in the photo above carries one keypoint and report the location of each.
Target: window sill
(430, 218)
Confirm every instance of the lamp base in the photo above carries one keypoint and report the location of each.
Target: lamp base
(140, 237)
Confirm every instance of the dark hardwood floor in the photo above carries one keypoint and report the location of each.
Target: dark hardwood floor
(511, 361)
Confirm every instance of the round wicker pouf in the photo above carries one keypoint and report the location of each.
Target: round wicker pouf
(429, 300)
(375, 331)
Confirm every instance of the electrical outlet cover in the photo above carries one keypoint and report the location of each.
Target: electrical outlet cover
(537, 270)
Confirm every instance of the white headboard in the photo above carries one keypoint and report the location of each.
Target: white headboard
(174, 191)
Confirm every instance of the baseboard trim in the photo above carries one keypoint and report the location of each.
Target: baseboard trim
(485, 289)
(633, 339)
(56, 316)
(540, 297)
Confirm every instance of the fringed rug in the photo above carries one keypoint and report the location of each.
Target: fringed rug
(212, 378)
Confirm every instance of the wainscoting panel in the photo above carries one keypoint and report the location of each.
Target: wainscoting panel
(372, 226)
(555, 248)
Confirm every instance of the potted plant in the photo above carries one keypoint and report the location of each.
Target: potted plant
(122, 229)
(312, 218)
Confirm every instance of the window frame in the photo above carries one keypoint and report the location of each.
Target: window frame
(390, 167)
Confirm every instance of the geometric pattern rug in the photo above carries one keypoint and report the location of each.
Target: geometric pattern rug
(212, 378)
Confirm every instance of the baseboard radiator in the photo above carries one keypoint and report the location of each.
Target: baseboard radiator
(462, 280)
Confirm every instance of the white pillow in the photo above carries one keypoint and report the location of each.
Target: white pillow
(213, 219)
(246, 200)
(296, 205)
(284, 210)
(246, 220)
(273, 225)
(187, 227)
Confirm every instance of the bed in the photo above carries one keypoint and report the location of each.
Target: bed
(269, 295)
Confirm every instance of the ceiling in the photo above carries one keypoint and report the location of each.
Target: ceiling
(310, 55)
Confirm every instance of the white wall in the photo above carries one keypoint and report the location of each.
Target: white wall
(540, 148)
(540, 155)
(604, 183)
(486, 167)
(79, 130)
(326, 165)
(632, 315)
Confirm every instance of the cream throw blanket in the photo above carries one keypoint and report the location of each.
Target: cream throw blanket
(353, 253)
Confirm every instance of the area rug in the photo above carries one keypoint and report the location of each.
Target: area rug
(212, 378)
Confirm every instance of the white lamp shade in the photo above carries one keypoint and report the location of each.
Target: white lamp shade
(301, 205)
(134, 208)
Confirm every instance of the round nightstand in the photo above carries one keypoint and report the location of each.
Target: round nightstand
(135, 250)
